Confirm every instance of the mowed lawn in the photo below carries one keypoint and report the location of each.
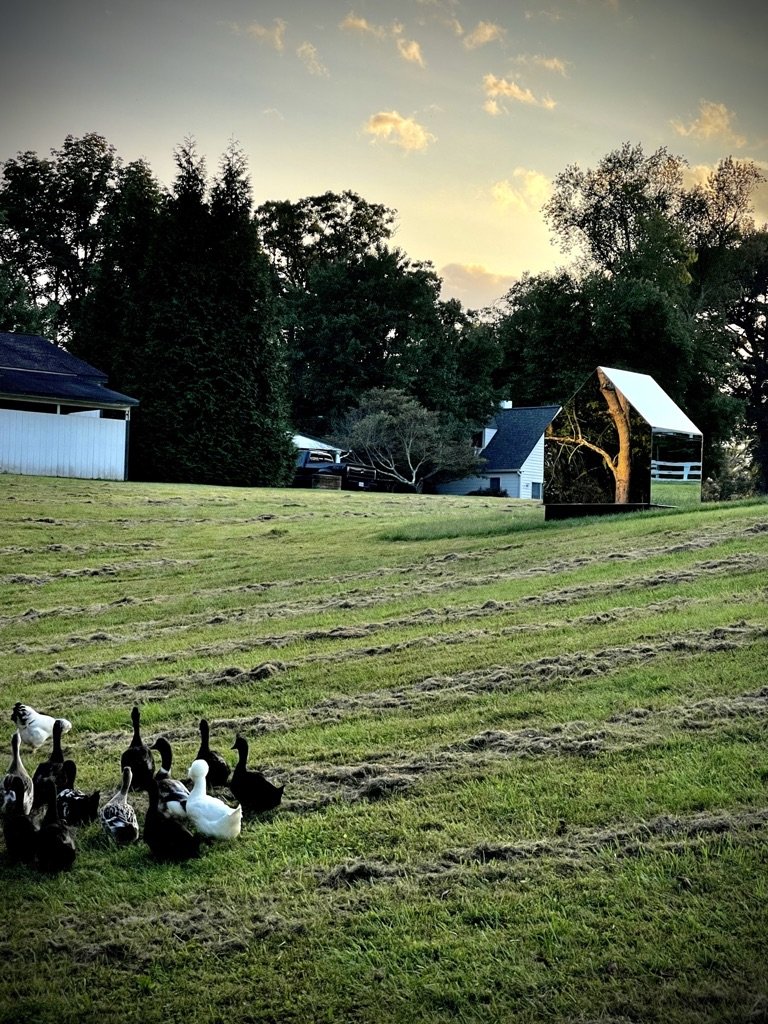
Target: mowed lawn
(525, 764)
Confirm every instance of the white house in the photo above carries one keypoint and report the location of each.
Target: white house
(512, 447)
(57, 416)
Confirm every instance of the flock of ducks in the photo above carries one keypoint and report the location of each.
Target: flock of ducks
(40, 812)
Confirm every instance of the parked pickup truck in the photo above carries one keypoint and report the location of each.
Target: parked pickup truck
(317, 462)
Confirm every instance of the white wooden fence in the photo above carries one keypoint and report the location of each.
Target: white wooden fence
(675, 470)
(43, 444)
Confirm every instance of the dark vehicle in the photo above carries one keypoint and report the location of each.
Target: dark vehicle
(315, 466)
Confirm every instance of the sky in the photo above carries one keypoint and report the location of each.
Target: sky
(458, 115)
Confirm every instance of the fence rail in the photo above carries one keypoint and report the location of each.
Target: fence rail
(675, 470)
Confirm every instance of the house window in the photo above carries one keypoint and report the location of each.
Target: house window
(536, 490)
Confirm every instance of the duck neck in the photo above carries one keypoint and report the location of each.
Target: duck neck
(242, 754)
(198, 786)
(58, 755)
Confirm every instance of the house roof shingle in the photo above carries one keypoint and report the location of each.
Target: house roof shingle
(517, 432)
(33, 367)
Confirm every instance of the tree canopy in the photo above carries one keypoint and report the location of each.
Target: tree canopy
(404, 442)
(235, 326)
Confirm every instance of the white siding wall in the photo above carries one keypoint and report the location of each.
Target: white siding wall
(532, 470)
(43, 444)
(509, 482)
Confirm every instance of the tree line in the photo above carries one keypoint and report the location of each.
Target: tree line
(236, 324)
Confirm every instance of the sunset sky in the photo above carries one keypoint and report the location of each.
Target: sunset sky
(456, 114)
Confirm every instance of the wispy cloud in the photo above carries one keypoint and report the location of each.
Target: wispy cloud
(713, 123)
(404, 132)
(501, 88)
(410, 50)
(353, 23)
(560, 67)
(274, 36)
(526, 192)
(484, 32)
(549, 15)
(309, 57)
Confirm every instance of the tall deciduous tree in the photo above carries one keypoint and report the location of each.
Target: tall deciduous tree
(651, 244)
(51, 230)
(328, 228)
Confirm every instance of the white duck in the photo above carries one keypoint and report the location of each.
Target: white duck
(208, 814)
(35, 728)
(117, 816)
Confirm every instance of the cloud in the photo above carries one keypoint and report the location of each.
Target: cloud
(525, 193)
(274, 36)
(549, 15)
(548, 63)
(496, 88)
(473, 284)
(484, 32)
(309, 57)
(713, 122)
(353, 23)
(411, 51)
(408, 49)
(389, 126)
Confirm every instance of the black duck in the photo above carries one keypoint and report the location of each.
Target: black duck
(172, 794)
(138, 757)
(218, 769)
(167, 838)
(75, 806)
(18, 829)
(56, 850)
(53, 768)
(252, 789)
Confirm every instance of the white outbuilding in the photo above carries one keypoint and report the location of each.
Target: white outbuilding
(57, 415)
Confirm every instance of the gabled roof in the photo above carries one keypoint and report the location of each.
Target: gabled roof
(31, 367)
(518, 430)
(651, 401)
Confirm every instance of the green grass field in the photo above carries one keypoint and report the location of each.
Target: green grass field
(525, 764)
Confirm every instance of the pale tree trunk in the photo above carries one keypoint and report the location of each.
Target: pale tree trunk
(620, 466)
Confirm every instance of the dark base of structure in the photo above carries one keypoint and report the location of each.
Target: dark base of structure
(576, 509)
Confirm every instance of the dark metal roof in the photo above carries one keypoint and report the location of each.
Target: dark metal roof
(22, 384)
(517, 433)
(33, 367)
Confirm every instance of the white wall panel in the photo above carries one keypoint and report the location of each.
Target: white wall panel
(43, 444)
